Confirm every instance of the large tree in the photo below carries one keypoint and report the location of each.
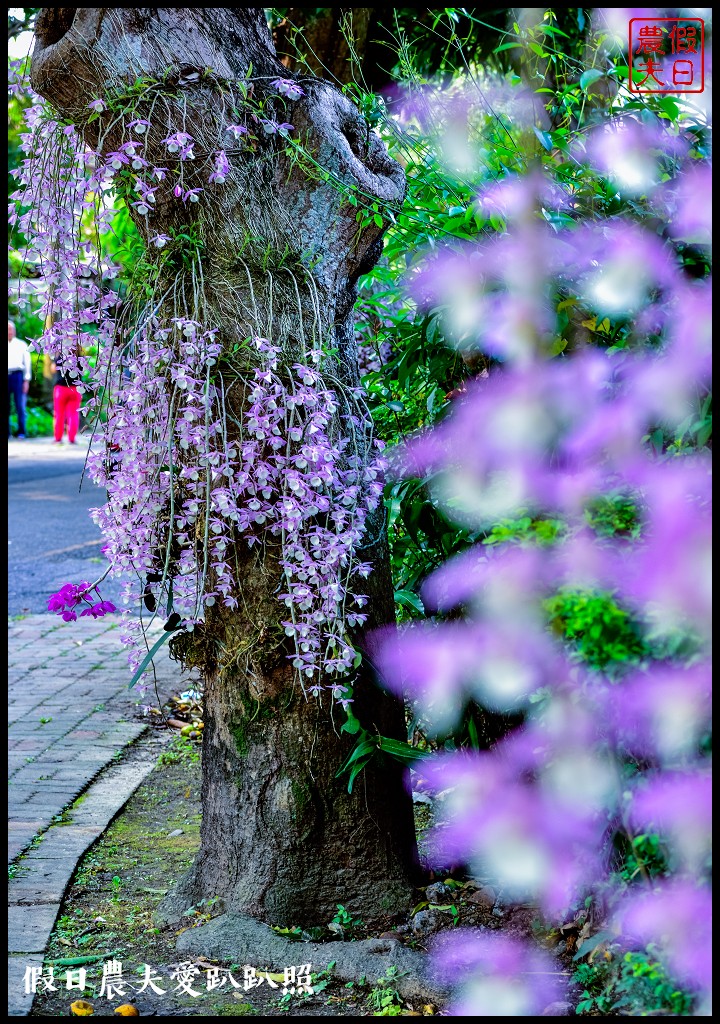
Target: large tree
(277, 256)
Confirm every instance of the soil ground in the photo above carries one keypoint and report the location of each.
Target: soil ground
(109, 906)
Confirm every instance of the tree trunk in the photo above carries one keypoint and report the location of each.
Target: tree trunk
(282, 840)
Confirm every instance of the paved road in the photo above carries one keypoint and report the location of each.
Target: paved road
(51, 538)
(70, 716)
(70, 712)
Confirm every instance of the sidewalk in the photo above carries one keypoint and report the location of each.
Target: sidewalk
(70, 717)
(45, 448)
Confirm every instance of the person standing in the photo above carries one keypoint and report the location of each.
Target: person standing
(66, 404)
(19, 374)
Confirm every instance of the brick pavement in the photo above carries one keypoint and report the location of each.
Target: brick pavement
(70, 717)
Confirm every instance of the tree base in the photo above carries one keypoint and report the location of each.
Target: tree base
(242, 940)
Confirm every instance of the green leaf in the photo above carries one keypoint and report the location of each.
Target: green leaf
(148, 658)
(410, 600)
(74, 961)
(364, 749)
(355, 771)
(545, 139)
(351, 724)
(588, 77)
(400, 750)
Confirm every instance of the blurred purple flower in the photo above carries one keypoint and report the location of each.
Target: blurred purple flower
(690, 205)
(671, 568)
(497, 975)
(664, 710)
(517, 197)
(497, 663)
(679, 804)
(536, 846)
(629, 152)
(676, 916)
(617, 266)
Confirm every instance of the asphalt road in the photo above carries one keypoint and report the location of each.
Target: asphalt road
(52, 539)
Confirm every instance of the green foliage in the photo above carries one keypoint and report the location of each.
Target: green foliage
(525, 530)
(345, 923)
(38, 422)
(599, 630)
(180, 751)
(644, 855)
(614, 515)
(322, 979)
(384, 996)
(635, 986)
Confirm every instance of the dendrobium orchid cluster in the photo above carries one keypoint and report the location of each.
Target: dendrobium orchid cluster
(184, 485)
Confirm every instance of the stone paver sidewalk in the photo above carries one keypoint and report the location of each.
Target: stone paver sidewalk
(70, 716)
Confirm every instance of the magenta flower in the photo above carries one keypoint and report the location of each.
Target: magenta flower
(97, 106)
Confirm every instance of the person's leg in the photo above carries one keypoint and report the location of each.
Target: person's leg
(21, 405)
(15, 388)
(58, 408)
(73, 413)
(9, 405)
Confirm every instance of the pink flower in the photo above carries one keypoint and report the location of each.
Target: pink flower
(286, 87)
(139, 126)
(237, 130)
(273, 128)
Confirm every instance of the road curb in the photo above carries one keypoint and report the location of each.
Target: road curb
(36, 892)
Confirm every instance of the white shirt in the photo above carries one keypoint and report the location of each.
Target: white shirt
(19, 358)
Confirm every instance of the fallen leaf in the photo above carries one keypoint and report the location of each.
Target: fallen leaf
(81, 1008)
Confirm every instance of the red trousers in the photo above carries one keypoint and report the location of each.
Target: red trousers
(67, 409)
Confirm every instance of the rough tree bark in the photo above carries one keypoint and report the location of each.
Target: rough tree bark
(281, 839)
